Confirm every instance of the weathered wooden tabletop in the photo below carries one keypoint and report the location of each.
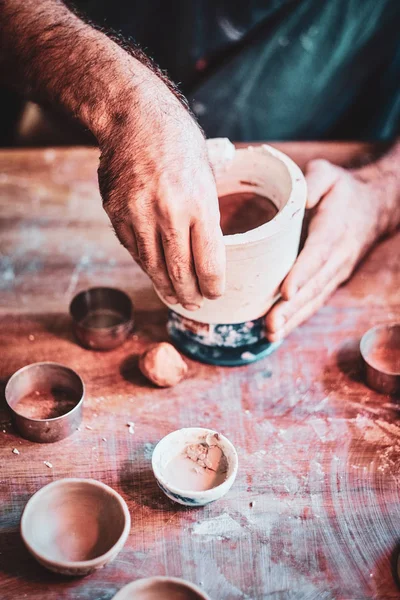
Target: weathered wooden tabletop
(319, 452)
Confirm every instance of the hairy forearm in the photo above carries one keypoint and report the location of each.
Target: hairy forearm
(51, 55)
(384, 175)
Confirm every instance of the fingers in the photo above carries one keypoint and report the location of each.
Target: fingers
(319, 248)
(124, 233)
(209, 258)
(287, 314)
(152, 260)
(179, 263)
(306, 311)
(321, 176)
(324, 263)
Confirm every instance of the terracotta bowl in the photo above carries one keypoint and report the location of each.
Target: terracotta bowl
(75, 526)
(155, 588)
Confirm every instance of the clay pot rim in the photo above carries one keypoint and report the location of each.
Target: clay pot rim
(295, 203)
(160, 579)
(365, 354)
(195, 494)
(77, 564)
(66, 415)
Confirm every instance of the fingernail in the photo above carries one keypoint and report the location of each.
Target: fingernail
(191, 306)
(171, 299)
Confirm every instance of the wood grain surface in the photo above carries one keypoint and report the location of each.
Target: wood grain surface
(314, 512)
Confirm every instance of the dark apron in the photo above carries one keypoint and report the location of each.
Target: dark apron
(274, 70)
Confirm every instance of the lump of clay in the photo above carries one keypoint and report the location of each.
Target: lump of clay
(163, 365)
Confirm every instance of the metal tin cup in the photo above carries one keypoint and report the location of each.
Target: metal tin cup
(102, 318)
(46, 401)
(380, 351)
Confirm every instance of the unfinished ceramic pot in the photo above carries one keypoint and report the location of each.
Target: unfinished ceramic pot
(230, 330)
(75, 526)
(157, 588)
(194, 466)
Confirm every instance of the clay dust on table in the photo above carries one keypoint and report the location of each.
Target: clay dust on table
(47, 404)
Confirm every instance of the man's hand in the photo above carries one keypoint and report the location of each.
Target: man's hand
(159, 192)
(155, 177)
(353, 209)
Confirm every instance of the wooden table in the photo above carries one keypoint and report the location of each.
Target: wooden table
(319, 452)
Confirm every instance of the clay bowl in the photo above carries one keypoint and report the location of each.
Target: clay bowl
(155, 588)
(75, 526)
(54, 409)
(380, 351)
(102, 318)
(173, 444)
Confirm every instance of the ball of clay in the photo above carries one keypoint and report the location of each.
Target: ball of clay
(163, 365)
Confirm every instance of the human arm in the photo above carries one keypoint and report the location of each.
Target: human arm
(354, 208)
(155, 179)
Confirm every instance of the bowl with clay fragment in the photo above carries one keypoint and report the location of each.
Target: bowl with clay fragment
(75, 526)
(194, 466)
(167, 588)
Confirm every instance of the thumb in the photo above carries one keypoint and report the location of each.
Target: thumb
(321, 176)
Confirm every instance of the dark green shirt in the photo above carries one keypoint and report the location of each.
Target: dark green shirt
(277, 69)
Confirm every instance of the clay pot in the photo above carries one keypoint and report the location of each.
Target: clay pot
(257, 260)
(75, 526)
(155, 588)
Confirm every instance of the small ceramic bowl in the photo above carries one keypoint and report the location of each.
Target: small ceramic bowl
(102, 318)
(47, 387)
(155, 588)
(175, 443)
(75, 526)
(380, 351)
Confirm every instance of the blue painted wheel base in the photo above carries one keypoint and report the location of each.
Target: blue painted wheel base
(223, 345)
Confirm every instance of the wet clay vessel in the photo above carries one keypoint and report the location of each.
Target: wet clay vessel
(157, 588)
(75, 526)
(230, 330)
(172, 445)
(102, 318)
(45, 384)
(380, 351)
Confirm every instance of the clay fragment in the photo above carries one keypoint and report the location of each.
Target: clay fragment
(163, 365)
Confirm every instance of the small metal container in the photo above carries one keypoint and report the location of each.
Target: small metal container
(102, 318)
(48, 388)
(380, 351)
